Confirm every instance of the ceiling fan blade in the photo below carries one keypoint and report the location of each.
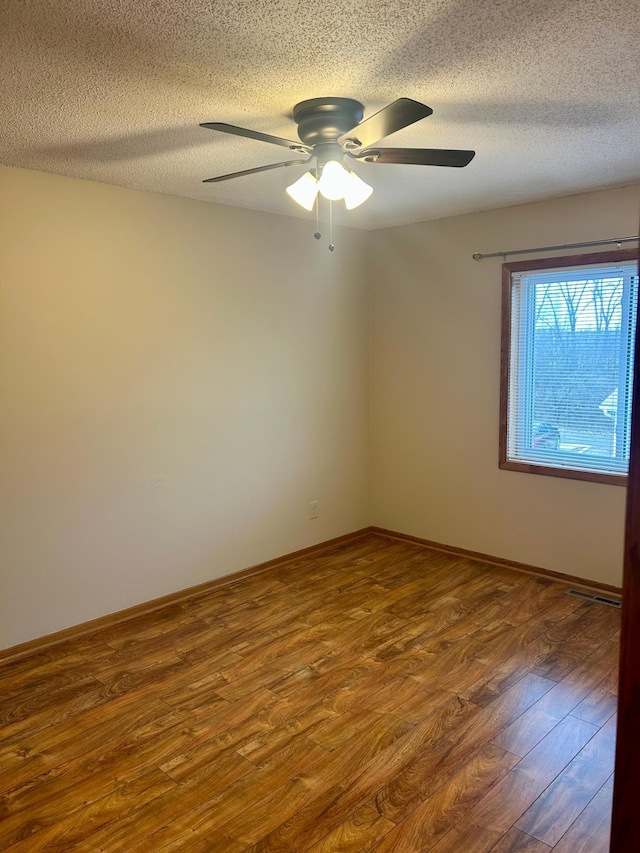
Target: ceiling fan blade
(256, 170)
(255, 134)
(395, 116)
(419, 156)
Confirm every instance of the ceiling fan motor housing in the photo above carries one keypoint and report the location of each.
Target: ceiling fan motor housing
(323, 120)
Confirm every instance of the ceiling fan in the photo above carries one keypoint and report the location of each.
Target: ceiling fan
(332, 132)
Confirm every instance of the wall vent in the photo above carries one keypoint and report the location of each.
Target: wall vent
(602, 599)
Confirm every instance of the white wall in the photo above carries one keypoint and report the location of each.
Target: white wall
(436, 383)
(178, 381)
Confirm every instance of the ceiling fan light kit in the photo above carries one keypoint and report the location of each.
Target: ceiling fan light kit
(356, 191)
(332, 180)
(304, 191)
(332, 132)
(335, 183)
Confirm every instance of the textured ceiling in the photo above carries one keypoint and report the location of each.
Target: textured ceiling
(546, 91)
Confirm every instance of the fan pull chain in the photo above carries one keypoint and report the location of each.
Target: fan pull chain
(331, 246)
(317, 235)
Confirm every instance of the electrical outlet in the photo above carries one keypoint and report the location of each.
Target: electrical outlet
(313, 509)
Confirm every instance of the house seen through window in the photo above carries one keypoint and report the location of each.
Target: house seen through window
(568, 343)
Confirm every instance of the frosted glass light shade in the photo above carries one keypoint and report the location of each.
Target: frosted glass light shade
(304, 191)
(335, 183)
(333, 180)
(356, 191)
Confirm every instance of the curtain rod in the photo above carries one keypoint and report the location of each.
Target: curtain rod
(619, 240)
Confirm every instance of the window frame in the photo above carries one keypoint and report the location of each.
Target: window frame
(574, 261)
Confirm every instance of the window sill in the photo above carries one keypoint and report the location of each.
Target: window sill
(566, 473)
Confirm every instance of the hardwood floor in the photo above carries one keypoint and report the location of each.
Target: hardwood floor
(380, 697)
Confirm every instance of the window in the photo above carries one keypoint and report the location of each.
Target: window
(568, 328)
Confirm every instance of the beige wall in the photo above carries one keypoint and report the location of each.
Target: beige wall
(435, 392)
(178, 381)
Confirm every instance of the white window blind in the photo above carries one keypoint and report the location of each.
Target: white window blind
(571, 367)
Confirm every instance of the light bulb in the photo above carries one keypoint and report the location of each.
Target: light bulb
(356, 191)
(304, 191)
(333, 180)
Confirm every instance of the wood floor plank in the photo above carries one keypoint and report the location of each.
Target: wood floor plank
(538, 639)
(205, 844)
(408, 699)
(28, 704)
(56, 714)
(597, 707)
(461, 737)
(40, 776)
(528, 730)
(283, 801)
(549, 817)
(324, 677)
(261, 746)
(72, 830)
(202, 754)
(66, 731)
(152, 744)
(602, 625)
(193, 807)
(329, 810)
(533, 604)
(469, 837)
(59, 657)
(590, 833)
(173, 639)
(512, 796)
(524, 733)
(379, 696)
(610, 681)
(55, 674)
(363, 827)
(422, 827)
(404, 771)
(516, 841)
(285, 782)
